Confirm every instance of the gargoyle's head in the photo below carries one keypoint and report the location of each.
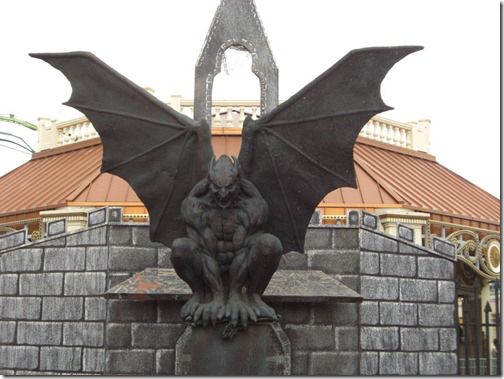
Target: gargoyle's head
(224, 180)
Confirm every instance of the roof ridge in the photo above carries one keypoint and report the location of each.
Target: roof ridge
(379, 179)
(395, 149)
(85, 183)
(66, 148)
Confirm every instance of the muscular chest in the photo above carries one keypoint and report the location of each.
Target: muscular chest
(223, 222)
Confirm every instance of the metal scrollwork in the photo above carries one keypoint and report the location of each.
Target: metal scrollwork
(482, 256)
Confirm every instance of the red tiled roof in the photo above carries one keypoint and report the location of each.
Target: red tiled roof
(386, 175)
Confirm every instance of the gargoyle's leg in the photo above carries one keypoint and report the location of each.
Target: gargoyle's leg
(188, 265)
(264, 257)
(237, 308)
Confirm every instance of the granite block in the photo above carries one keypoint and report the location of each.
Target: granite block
(140, 362)
(421, 339)
(334, 262)
(64, 259)
(96, 258)
(398, 313)
(397, 265)
(310, 337)
(83, 334)
(132, 258)
(60, 358)
(118, 336)
(379, 288)
(93, 360)
(155, 336)
(86, 283)
(438, 364)
(318, 238)
(8, 284)
(62, 308)
(165, 362)
(377, 242)
(21, 260)
(369, 263)
(379, 338)
(120, 310)
(7, 332)
(369, 363)
(20, 308)
(95, 309)
(398, 363)
(90, 237)
(448, 339)
(436, 314)
(41, 284)
(334, 363)
(39, 333)
(417, 290)
(435, 268)
(19, 357)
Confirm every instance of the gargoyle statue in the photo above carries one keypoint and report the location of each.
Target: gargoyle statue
(228, 221)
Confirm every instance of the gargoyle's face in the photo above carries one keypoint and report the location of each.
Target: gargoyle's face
(224, 184)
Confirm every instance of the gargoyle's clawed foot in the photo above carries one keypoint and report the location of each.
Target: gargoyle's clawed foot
(209, 312)
(238, 311)
(190, 307)
(260, 308)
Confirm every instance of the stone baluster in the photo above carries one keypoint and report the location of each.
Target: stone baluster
(376, 131)
(92, 131)
(66, 137)
(403, 138)
(390, 134)
(408, 139)
(85, 130)
(229, 117)
(383, 132)
(217, 118)
(241, 118)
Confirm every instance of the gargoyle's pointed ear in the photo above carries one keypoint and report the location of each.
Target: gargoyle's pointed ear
(211, 164)
(237, 166)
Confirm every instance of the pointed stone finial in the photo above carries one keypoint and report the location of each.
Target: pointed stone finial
(235, 24)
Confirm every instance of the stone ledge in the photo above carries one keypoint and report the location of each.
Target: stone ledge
(285, 286)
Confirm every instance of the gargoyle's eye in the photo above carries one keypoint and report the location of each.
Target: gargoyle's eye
(213, 188)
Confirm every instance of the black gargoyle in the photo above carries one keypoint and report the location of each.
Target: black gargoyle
(228, 221)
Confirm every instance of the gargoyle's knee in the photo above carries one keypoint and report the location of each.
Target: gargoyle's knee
(269, 245)
(183, 249)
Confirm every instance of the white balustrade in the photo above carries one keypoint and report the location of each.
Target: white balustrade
(74, 131)
(388, 131)
(225, 114)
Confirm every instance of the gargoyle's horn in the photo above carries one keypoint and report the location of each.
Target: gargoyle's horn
(211, 164)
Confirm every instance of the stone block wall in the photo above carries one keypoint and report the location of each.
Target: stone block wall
(408, 316)
(52, 314)
(53, 319)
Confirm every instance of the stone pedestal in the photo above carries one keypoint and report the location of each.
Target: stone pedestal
(263, 349)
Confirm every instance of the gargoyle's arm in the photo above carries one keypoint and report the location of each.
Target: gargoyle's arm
(254, 207)
(193, 216)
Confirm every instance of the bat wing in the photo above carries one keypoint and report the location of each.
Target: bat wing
(303, 149)
(161, 153)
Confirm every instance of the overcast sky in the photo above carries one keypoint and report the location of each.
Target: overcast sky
(454, 81)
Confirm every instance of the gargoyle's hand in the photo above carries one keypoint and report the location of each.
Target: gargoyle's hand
(209, 312)
(238, 310)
